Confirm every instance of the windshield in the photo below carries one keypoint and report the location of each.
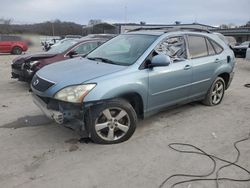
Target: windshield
(123, 49)
(62, 46)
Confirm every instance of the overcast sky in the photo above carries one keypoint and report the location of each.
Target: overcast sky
(212, 12)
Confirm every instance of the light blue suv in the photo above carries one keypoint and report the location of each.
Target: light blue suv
(134, 75)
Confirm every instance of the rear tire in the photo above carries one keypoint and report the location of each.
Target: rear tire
(112, 122)
(17, 50)
(215, 93)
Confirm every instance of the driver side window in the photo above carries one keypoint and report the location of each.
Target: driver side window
(174, 47)
(85, 48)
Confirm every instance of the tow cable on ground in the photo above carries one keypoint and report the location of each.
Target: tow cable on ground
(213, 158)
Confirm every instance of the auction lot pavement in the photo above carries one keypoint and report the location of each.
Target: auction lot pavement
(35, 152)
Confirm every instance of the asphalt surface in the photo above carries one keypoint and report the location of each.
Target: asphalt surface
(38, 153)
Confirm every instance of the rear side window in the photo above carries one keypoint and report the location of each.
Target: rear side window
(218, 49)
(86, 48)
(197, 46)
(5, 38)
(10, 38)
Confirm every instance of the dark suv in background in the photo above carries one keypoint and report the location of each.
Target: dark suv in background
(12, 44)
(241, 49)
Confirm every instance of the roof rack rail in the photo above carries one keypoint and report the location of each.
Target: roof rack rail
(190, 29)
(171, 29)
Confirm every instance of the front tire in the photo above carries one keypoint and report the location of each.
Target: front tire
(112, 122)
(215, 93)
(17, 50)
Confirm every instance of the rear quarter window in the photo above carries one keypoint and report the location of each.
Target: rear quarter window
(218, 49)
(210, 48)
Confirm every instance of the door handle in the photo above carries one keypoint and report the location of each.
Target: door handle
(217, 60)
(187, 67)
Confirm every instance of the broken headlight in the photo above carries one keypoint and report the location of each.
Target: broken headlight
(74, 94)
(33, 63)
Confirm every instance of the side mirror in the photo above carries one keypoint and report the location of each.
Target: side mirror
(160, 60)
(71, 54)
(249, 45)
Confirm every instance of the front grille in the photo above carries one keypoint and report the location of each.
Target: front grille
(41, 84)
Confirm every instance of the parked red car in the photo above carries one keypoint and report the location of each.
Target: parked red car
(25, 66)
(12, 44)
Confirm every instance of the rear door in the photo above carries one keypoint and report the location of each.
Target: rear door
(170, 85)
(205, 59)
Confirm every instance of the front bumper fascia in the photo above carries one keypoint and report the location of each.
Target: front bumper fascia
(23, 74)
(55, 115)
(63, 112)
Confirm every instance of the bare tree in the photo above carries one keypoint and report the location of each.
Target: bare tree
(5, 25)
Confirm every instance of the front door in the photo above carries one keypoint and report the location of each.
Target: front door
(170, 85)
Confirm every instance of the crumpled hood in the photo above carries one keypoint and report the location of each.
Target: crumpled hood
(32, 57)
(76, 71)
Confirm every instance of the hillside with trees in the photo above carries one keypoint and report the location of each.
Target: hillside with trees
(50, 28)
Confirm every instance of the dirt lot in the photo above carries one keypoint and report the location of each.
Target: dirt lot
(36, 152)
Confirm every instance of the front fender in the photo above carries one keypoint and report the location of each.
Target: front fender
(136, 82)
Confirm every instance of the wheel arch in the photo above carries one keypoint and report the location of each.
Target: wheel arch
(135, 93)
(226, 77)
(224, 72)
(134, 98)
(136, 101)
(16, 46)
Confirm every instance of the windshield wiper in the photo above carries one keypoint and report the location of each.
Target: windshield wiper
(102, 59)
(84, 55)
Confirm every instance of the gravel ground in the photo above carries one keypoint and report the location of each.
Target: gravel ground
(36, 152)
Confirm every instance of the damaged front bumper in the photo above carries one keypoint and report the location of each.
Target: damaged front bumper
(52, 114)
(22, 73)
(60, 112)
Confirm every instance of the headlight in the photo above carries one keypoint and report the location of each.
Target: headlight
(33, 63)
(74, 94)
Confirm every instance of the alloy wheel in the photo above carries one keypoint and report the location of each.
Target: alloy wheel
(112, 124)
(217, 93)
